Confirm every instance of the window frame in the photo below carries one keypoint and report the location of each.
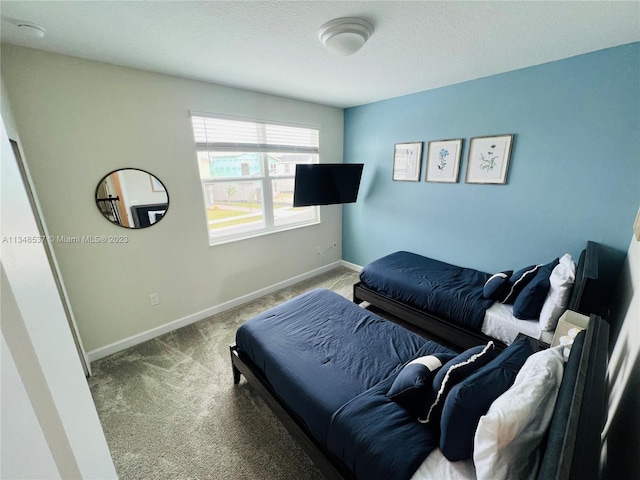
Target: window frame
(265, 178)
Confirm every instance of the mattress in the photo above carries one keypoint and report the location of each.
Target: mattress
(319, 350)
(450, 292)
(500, 323)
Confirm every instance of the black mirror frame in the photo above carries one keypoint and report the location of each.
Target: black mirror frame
(138, 210)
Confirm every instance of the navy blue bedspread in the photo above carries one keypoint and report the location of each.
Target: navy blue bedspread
(379, 440)
(331, 362)
(450, 292)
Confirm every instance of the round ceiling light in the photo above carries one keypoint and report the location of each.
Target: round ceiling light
(31, 30)
(345, 36)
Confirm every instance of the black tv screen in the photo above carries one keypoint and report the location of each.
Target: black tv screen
(326, 183)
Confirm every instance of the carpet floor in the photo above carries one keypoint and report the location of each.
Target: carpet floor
(170, 410)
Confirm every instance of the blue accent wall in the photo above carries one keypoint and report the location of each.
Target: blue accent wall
(574, 173)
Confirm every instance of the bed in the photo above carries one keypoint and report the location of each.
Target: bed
(326, 367)
(447, 300)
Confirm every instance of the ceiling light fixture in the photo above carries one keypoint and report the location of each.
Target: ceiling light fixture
(31, 30)
(345, 36)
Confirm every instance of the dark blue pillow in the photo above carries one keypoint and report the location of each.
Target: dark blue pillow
(451, 373)
(471, 398)
(529, 303)
(519, 280)
(497, 287)
(412, 388)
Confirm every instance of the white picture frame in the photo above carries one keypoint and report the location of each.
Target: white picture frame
(488, 159)
(443, 161)
(156, 185)
(407, 162)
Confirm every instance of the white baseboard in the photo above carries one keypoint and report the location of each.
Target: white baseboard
(115, 347)
(351, 266)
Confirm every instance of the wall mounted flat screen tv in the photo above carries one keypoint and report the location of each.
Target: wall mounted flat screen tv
(326, 183)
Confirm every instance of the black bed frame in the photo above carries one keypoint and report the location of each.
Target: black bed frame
(451, 333)
(577, 459)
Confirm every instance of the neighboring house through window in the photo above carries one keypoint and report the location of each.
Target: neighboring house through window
(247, 169)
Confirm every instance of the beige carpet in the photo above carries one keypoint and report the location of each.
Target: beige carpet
(170, 410)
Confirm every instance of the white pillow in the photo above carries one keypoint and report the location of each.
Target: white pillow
(437, 467)
(508, 436)
(561, 280)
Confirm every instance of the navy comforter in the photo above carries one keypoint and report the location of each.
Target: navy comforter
(379, 440)
(447, 291)
(332, 362)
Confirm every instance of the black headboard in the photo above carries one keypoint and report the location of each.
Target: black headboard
(596, 276)
(573, 446)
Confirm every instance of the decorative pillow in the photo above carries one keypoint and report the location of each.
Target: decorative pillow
(412, 388)
(561, 283)
(529, 302)
(454, 371)
(519, 280)
(497, 286)
(508, 436)
(472, 397)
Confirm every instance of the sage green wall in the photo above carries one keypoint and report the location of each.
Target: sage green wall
(79, 120)
(50, 427)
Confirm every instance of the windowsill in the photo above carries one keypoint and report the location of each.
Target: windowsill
(261, 233)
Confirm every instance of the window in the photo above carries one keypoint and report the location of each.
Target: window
(247, 168)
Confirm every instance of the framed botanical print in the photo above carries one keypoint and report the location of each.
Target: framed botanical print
(489, 159)
(443, 161)
(407, 160)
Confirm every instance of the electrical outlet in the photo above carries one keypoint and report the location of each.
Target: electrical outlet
(154, 299)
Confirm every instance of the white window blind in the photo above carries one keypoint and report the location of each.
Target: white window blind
(223, 134)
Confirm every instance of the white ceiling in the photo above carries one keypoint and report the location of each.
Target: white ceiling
(273, 46)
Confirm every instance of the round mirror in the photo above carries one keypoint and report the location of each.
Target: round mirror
(132, 198)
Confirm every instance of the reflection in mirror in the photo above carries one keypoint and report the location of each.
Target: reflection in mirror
(132, 198)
